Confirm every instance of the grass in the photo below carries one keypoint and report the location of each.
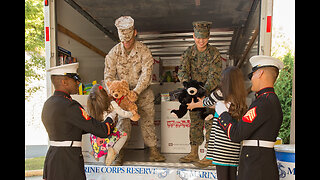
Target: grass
(34, 163)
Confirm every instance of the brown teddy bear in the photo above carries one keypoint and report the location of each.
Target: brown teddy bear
(125, 98)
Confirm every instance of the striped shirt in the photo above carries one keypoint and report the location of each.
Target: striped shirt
(220, 148)
(215, 96)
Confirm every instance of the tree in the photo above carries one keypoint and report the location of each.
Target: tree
(34, 44)
(283, 88)
(283, 48)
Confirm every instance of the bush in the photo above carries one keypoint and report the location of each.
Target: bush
(283, 88)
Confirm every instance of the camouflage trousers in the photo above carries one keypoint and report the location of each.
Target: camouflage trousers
(196, 128)
(146, 111)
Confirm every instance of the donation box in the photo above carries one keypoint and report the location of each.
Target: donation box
(285, 154)
(174, 131)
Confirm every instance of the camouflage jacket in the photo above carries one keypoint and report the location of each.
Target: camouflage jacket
(135, 67)
(203, 66)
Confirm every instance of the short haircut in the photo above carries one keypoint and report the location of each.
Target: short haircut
(273, 71)
(56, 80)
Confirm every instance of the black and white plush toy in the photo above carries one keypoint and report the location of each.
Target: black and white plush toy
(192, 90)
(215, 96)
(211, 100)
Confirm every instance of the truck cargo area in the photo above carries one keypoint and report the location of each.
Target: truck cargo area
(84, 31)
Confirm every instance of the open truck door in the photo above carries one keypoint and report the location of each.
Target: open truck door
(84, 30)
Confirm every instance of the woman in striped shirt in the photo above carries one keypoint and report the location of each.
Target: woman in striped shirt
(224, 153)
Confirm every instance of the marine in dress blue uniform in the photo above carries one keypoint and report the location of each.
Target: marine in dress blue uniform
(65, 121)
(259, 127)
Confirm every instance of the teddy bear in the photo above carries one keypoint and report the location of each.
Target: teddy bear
(192, 90)
(125, 98)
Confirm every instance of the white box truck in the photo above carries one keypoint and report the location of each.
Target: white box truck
(85, 31)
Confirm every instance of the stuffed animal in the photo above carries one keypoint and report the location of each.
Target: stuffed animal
(124, 97)
(192, 90)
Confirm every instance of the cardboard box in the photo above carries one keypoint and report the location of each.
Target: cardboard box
(174, 131)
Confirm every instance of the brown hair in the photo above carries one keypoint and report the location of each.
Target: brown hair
(98, 102)
(233, 90)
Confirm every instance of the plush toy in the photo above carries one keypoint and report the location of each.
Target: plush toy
(125, 98)
(192, 90)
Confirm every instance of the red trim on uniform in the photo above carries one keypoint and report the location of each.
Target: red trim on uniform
(68, 98)
(266, 93)
(47, 33)
(224, 128)
(250, 115)
(264, 88)
(108, 125)
(229, 130)
(269, 20)
(221, 125)
(85, 114)
(62, 91)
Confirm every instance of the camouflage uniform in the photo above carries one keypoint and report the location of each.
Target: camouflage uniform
(205, 67)
(136, 68)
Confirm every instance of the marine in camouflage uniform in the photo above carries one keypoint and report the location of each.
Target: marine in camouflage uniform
(136, 68)
(206, 67)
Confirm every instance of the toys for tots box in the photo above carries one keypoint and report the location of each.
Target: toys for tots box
(174, 131)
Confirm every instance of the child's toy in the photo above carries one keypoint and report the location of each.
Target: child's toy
(213, 98)
(125, 98)
(100, 107)
(192, 90)
(84, 89)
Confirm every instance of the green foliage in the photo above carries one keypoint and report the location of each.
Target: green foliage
(34, 163)
(34, 25)
(283, 88)
(34, 44)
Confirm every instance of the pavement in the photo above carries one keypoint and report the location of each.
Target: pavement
(34, 178)
(32, 151)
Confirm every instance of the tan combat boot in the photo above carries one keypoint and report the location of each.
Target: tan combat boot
(192, 156)
(203, 163)
(155, 155)
(110, 156)
(119, 159)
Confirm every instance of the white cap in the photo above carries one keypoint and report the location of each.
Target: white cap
(259, 61)
(124, 22)
(125, 28)
(64, 69)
